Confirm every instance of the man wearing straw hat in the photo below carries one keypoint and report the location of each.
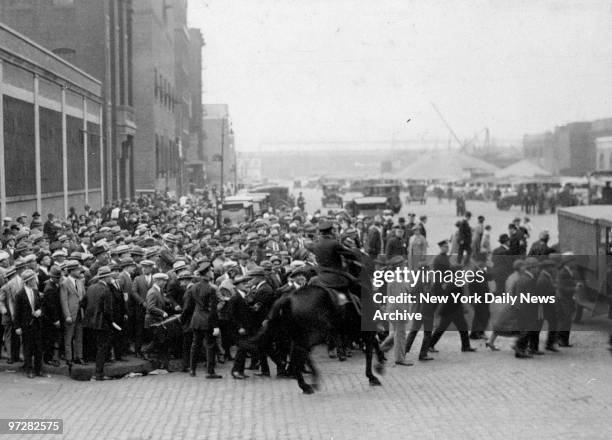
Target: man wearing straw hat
(28, 323)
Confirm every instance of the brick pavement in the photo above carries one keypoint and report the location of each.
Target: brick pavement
(458, 396)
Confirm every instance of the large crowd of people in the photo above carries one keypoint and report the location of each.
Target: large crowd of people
(96, 286)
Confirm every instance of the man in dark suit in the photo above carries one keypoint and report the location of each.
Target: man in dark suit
(99, 299)
(465, 238)
(200, 310)
(137, 303)
(375, 239)
(240, 314)
(502, 263)
(28, 323)
(545, 286)
(451, 312)
(540, 248)
(529, 314)
(52, 316)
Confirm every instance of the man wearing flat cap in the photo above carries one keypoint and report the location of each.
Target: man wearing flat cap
(98, 303)
(501, 263)
(568, 284)
(52, 317)
(530, 315)
(72, 292)
(200, 310)
(8, 293)
(137, 304)
(545, 286)
(28, 323)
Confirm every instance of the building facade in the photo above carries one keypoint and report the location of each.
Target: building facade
(195, 153)
(51, 131)
(569, 150)
(219, 151)
(96, 36)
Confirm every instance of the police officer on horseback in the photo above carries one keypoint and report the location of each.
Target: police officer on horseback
(329, 253)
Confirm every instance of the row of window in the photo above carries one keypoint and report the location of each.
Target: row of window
(167, 157)
(164, 91)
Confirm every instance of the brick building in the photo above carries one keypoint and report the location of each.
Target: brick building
(195, 153)
(51, 131)
(570, 150)
(96, 36)
(219, 148)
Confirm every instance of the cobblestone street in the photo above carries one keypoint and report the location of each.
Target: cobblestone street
(459, 395)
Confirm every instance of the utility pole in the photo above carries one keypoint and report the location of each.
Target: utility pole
(221, 191)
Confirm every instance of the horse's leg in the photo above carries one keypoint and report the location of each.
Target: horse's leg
(314, 370)
(298, 358)
(369, 342)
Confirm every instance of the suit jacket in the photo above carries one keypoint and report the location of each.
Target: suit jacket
(71, 297)
(138, 293)
(241, 314)
(98, 304)
(8, 293)
(125, 282)
(200, 307)
(502, 263)
(23, 317)
(157, 305)
(91, 303)
(51, 304)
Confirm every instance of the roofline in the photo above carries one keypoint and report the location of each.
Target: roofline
(50, 53)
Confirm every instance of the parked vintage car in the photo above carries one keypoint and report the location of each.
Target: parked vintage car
(366, 206)
(331, 196)
(391, 191)
(587, 232)
(278, 196)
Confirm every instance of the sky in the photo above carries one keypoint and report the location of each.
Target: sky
(326, 71)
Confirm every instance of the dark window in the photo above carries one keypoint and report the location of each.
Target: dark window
(76, 159)
(51, 169)
(19, 154)
(93, 155)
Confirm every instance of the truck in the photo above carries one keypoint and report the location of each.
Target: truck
(587, 232)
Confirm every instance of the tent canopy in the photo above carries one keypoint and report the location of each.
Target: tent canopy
(523, 168)
(447, 165)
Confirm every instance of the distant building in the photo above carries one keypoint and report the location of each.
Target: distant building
(96, 36)
(51, 131)
(570, 150)
(219, 145)
(195, 152)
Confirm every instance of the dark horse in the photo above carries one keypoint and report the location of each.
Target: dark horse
(312, 314)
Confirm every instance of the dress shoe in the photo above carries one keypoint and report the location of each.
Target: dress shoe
(185, 370)
(404, 364)
(491, 346)
(213, 376)
(552, 348)
(468, 349)
(536, 352)
(432, 350)
(565, 345)
(522, 355)
(40, 375)
(426, 358)
(238, 375)
(263, 373)
(53, 363)
(31, 376)
(100, 378)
